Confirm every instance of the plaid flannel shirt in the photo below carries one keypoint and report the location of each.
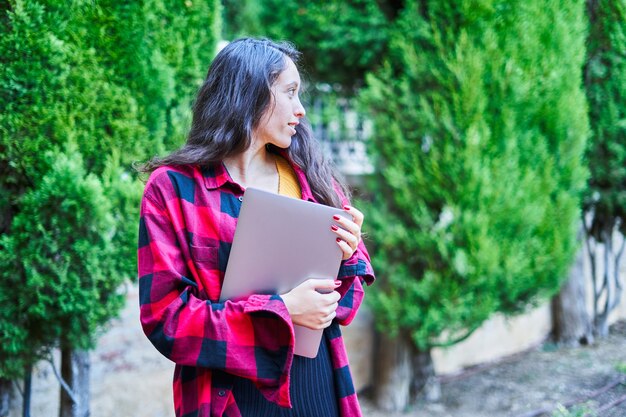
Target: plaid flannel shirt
(188, 219)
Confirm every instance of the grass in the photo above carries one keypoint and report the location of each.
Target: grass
(583, 410)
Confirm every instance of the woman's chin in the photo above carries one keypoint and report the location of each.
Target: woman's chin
(282, 144)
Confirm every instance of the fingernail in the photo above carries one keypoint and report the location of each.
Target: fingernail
(335, 228)
(337, 282)
(336, 217)
(338, 240)
(346, 207)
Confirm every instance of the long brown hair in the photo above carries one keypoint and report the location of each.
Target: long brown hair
(229, 106)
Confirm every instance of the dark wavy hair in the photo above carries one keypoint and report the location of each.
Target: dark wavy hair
(229, 106)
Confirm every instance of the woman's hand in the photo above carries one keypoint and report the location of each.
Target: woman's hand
(349, 234)
(313, 303)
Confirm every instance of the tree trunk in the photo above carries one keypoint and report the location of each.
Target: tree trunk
(601, 327)
(75, 366)
(5, 397)
(424, 380)
(393, 373)
(28, 389)
(605, 256)
(571, 325)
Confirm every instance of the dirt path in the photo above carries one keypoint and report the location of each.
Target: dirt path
(540, 378)
(132, 380)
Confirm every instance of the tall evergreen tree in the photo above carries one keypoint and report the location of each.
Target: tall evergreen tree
(86, 89)
(480, 126)
(604, 206)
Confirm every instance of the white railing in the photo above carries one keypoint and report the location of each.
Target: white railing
(341, 129)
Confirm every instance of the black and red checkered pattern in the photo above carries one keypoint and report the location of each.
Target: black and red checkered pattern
(188, 219)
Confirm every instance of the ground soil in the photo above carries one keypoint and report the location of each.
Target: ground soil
(540, 378)
(131, 379)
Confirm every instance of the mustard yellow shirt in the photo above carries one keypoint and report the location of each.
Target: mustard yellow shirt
(287, 181)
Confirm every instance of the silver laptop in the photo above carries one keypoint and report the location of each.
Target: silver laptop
(279, 243)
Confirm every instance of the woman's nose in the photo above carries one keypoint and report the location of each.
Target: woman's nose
(299, 111)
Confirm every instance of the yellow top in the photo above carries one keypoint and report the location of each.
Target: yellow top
(287, 181)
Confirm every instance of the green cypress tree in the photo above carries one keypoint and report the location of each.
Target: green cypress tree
(61, 243)
(604, 204)
(15, 343)
(62, 265)
(64, 80)
(54, 91)
(480, 127)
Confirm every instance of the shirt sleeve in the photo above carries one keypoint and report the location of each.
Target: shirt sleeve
(354, 273)
(251, 338)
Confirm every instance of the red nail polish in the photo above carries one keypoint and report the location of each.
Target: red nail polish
(338, 240)
(336, 217)
(337, 282)
(346, 207)
(335, 228)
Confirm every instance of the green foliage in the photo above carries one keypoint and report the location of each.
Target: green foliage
(159, 50)
(480, 126)
(241, 18)
(59, 93)
(576, 411)
(124, 193)
(340, 40)
(86, 88)
(605, 81)
(64, 285)
(15, 343)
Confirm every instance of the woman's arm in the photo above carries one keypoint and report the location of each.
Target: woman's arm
(251, 338)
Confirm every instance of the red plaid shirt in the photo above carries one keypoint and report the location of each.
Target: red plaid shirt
(188, 219)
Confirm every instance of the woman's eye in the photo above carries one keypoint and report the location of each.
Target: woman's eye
(292, 92)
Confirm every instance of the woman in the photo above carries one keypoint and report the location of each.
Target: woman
(236, 358)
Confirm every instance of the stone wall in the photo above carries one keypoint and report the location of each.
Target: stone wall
(501, 336)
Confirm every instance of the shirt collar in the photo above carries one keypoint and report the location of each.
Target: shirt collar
(217, 176)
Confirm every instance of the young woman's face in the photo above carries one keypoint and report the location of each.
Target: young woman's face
(278, 123)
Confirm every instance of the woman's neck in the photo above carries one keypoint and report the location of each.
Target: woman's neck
(255, 167)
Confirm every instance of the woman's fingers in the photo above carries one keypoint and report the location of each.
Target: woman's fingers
(346, 249)
(312, 304)
(351, 238)
(326, 321)
(357, 216)
(348, 231)
(347, 224)
(322, 286)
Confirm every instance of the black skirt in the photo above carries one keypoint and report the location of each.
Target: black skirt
(312, 390)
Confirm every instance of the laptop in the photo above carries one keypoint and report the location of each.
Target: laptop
(279, 243)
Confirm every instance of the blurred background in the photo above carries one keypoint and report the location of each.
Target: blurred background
(485, 140)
